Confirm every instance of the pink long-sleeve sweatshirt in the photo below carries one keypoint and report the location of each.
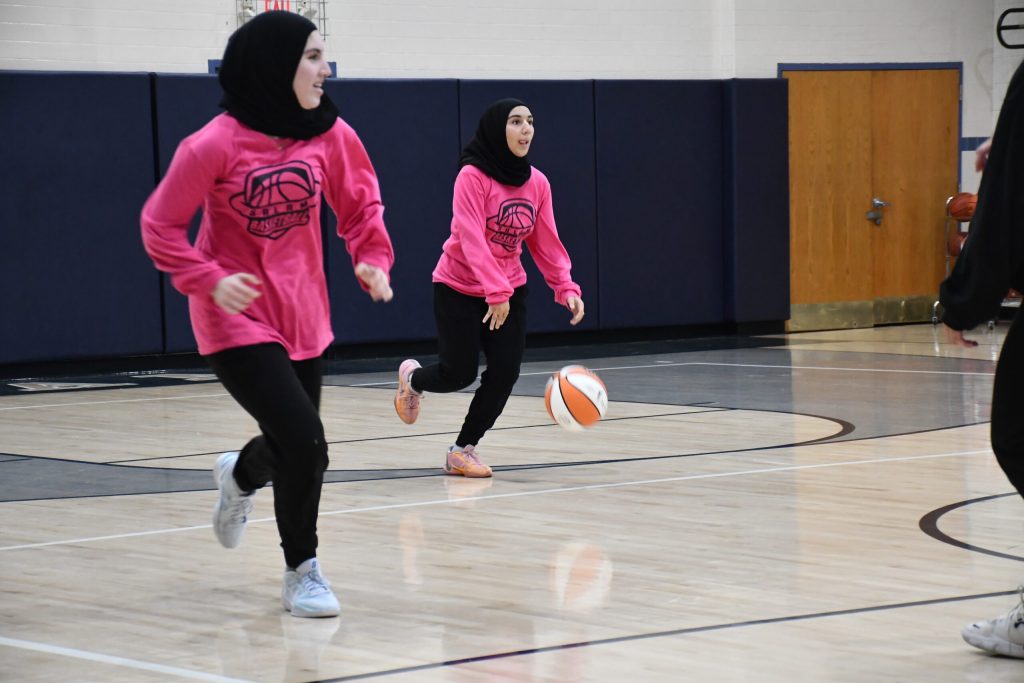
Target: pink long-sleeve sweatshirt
(261, 215)
(490, 222)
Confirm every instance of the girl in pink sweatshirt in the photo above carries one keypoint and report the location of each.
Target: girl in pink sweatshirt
(254, 277)
(500, 202)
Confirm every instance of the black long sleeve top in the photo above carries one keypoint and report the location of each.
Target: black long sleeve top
(992, 259)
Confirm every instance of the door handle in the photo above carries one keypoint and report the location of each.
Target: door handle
(876, 213)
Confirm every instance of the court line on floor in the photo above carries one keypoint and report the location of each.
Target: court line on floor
(824, 367)
(929, 524)
(614, 640)
(117, 661)
(726, 365)
(115, 400)
(524, 374)
(520, 494)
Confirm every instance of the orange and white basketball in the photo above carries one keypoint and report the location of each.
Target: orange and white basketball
(576, 398)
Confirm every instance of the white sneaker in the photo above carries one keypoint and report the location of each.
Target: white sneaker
(233, 506)
(306, 593)
(1003, 635)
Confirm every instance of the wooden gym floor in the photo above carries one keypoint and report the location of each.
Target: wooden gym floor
(812, 507)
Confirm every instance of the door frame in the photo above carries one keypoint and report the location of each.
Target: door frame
(963, 144)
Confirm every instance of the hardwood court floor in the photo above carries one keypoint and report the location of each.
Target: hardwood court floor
(813, 507)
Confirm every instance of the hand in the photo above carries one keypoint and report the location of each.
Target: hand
(981, 155)
(497, 314)
(956, 337)
(575, 305)
(234, 294)
(376, 281)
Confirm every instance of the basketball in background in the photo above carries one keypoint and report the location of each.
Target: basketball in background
(955, 243)
(575, 397)
(960, 207)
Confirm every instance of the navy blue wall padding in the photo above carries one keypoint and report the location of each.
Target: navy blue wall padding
(77, 166)
(563, 149)
(670, 196)
(184, 104)
(756, 254)
(409, 129)
(659, 188)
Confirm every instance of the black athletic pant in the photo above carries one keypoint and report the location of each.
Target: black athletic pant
(283, 396)
(461, 337)
(1008, 405)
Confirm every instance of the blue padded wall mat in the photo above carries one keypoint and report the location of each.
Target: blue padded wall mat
(184, 104)
(659, 188)
(563, 149)
(409, 129)
(671, 197)
(757, 200)
(78, 164)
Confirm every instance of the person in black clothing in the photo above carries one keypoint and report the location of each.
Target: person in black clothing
(990, 264)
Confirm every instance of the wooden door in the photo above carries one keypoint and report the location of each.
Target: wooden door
(856, 136)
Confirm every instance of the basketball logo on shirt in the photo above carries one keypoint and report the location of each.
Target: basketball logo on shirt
(277, 198)
(513, 222)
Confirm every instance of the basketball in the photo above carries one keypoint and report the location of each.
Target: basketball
(955, 243)
(960, 206)
(575, 398)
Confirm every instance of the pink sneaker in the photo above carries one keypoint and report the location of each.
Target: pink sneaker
(407, 399)
(463, 461)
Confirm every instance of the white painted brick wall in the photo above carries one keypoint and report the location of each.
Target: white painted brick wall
(1004, 62)
(770, 32)
(526, 39)
(539, 38)
(113, 35)
(529, 38)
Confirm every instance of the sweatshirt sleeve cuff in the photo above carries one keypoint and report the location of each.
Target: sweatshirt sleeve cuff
(562, 296)
(191, 285)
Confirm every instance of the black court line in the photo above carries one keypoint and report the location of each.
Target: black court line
(845, 428)
(667, 634)
(144, 372)
(371, 439)
(929, 524)
(351, 476)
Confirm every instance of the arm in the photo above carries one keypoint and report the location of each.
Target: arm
(552, 259)
(956, 337)
(981, 155)
(165, 221)
(354, 194)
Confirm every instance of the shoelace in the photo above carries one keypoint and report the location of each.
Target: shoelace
(412, 399)
(313, 583)
(469, 454)
(1017, 614)
(239, 510)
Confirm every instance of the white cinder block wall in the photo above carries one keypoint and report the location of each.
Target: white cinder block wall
(542, 39)
(114, 35)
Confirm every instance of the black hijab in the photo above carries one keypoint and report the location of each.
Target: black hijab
(257, 73)
(488, 150)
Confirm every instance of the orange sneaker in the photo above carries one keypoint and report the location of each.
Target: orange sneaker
(463, 461)
(407, 399)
